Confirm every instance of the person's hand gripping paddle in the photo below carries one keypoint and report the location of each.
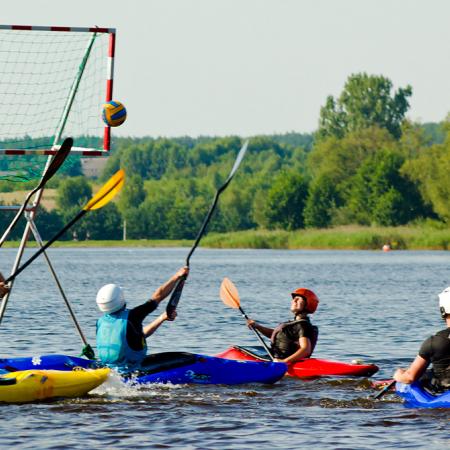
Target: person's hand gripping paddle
(385, 389)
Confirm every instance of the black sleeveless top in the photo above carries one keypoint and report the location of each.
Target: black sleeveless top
(436, 350)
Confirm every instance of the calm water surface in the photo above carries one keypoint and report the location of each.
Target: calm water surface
(375, 306)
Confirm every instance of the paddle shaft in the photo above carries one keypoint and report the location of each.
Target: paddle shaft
(384, 390)
(257, 334)
(176, 293)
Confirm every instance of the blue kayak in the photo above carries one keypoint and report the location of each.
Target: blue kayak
(167, 367)
(416, 397)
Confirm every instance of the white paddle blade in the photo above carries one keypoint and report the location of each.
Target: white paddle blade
(229, 294)
(239, 158)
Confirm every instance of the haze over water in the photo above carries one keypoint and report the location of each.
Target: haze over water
(375, 306)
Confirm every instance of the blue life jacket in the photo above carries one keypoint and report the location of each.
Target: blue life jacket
(112, 346)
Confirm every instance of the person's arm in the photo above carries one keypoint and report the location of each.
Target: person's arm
(264, 330)
(4, 289)
(165, 289)
(413, 372)
(149, 329)
(304, 351)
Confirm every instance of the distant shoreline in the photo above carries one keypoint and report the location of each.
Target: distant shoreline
(339, 238)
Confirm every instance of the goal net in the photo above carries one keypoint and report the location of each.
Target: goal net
(53, 83)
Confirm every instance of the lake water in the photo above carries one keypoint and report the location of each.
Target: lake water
(374, 306)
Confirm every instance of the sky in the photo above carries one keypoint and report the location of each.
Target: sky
(247, 67)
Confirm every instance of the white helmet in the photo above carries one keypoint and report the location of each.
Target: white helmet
(110, 298)
(444, 302)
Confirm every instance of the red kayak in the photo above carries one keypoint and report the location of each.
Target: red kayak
(306, 368)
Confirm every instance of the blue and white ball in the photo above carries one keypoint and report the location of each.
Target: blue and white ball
(114, 113)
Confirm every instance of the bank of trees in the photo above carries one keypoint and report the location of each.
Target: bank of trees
(366, 164)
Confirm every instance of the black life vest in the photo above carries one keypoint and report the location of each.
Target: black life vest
(285, 337)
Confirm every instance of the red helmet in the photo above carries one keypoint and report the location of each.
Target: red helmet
(312, 301)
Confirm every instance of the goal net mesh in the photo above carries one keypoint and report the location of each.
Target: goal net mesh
(52, 85)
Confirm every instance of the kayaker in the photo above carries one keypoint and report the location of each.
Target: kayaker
(121, 336)
(4, 289)
(296, 339)
(435, 350)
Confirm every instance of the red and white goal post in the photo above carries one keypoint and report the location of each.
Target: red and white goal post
(53, 83)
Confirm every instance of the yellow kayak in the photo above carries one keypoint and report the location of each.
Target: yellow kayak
(30, 385)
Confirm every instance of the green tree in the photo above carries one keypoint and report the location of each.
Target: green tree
(332, 164)
(73, 192)
(435, 132)
(365, 101)
(414, 140)
(390, 209)
(48, 222)
(236, 208)
(101, 224)
(137, 227)
(430, 171)
(285, 201)
(137, 159)
(132, 194)
(381, 195)
(341, 158)
(5, 219)
(68, 214)
(72, 166)
(322, 201)
(180, 222)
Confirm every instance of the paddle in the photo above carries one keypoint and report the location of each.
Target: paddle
(55, 164)
(176, 294)
(384, 390)
(106, 193)
(230, 296)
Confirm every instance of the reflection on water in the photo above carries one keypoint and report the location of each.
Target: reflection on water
(374, 306)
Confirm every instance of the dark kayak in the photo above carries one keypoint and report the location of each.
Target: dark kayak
(306, 368)
(168, 367)
(416, 397)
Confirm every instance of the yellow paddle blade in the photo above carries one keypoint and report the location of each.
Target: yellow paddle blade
(107, 192)
(229, 294)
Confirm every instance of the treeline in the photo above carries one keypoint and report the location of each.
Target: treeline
(366, 164)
